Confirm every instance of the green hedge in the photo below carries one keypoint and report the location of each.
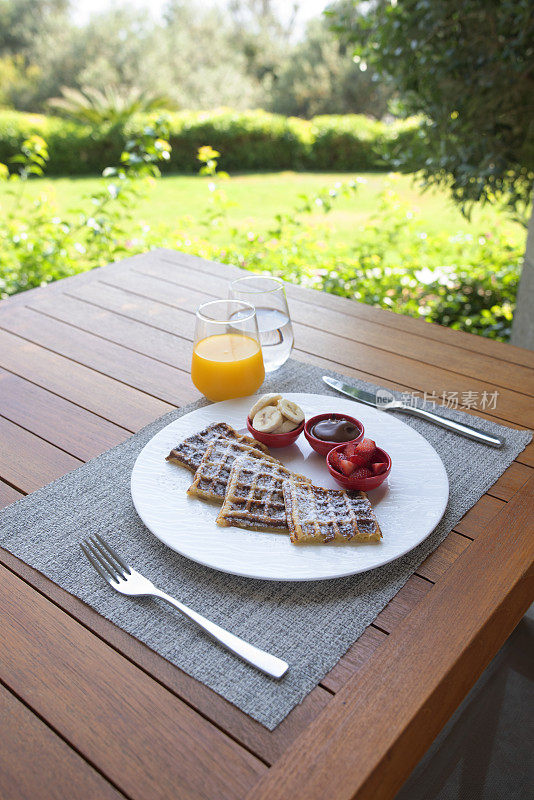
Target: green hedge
(249, 140)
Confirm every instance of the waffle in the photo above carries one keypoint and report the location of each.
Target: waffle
(325, 515)
(211, 477)
(189, 452)
(254, 498)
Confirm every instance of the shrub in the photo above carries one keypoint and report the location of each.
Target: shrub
(403, 144)
(38, 247)
(73, 149)
(346, 142)
(248, 140)
(464, 281)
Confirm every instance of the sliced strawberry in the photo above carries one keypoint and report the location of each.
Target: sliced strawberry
(358, 460)
(366, 449)
(346, 467)
(361, 472)
(334, 459)
(350, 450)
(379, 467)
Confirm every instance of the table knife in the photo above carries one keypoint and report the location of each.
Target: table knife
(385, 401)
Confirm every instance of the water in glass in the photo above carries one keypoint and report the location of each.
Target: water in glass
(268, 297)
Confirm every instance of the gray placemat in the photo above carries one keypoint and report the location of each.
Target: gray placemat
(310, 625)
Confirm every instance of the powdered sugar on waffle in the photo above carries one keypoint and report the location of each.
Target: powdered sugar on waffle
(189, 452)
(315, 514)
(213, 473)
(254, 496)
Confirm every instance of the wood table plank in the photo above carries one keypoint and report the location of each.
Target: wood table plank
(407, 704)
(105, 357)
(8, 495)
(67, 426)
(398, 322)
(411, 594)
(170, 348)
(355, 657)
(182, 288)
(114, 401)
(479, 516)
(27, 462)
(90, 336)
(36, 763)
(144, 740)
(419, 376)
(511, 481)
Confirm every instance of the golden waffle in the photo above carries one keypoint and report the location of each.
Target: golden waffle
(211, 477)
(254, 496)
(325, 515)
(189, 452)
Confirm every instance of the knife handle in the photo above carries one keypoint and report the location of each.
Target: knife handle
(457, 427)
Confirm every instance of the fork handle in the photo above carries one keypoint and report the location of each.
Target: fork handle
(265, 662)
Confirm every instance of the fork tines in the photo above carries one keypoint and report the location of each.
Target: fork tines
(105, 559)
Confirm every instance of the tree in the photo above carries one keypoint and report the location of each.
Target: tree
(201, 66)
(468, 66)
(319, 76)
(21, 21)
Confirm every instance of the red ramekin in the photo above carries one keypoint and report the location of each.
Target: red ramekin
(276, 439)
(361, 484)
(319, 445)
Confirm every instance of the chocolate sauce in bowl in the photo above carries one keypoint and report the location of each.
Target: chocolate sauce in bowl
(335, 430)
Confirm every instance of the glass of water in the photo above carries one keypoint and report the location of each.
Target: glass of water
(268, 296)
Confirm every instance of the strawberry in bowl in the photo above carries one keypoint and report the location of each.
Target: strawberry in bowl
(359, 465)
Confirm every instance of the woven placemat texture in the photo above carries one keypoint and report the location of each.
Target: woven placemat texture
(310, 625)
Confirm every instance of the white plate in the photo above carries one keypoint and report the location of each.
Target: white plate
(408, 505)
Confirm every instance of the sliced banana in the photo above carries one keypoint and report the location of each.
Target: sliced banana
(290, 410)
(261, 402)
(286, 426)
(267, 419)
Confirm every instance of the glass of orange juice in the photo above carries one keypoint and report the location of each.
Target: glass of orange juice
(227, 358)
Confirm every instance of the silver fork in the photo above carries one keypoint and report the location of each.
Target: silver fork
(126, 580)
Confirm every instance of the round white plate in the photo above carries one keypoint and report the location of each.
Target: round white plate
(408, 505)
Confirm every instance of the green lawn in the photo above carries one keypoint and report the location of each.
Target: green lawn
(259, 197)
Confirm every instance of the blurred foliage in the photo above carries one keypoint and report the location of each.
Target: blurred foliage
(249, 140)
(109, 107)
(39, 247)
(468, 66)
(240, 53)
(467, 282)
(319, 76)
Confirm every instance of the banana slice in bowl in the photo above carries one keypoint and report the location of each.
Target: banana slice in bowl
(265, 400)
(267, 419)
(290, 411)
(275, 421)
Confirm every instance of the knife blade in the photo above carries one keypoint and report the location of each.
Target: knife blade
(382, 400)
(385, 400)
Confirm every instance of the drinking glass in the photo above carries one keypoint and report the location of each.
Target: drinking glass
(227, 359)
(268, 296)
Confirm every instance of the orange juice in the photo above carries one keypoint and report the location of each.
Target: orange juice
(227, 365)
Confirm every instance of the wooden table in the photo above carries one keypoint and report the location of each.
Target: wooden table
(90, 712)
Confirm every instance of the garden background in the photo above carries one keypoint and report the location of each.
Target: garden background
(246, 132)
